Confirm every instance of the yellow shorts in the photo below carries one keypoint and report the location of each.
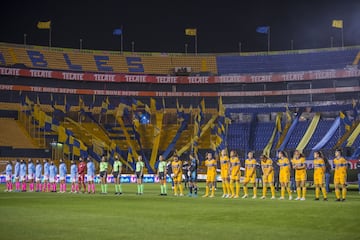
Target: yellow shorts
(210, 177)
(340, 178)
(269, 178)
(300, 175)
(235, 177)
(224, 175)
(284, 177)
(250, 179)
(318, 179)
(178, 178)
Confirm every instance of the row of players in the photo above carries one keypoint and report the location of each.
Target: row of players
(230, 169)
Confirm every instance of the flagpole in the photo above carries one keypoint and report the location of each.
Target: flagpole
(121, 41)
(269, 40)
(342, 36)
(50, 36)
(196, 50)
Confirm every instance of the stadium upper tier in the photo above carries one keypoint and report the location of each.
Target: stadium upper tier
(38, 57)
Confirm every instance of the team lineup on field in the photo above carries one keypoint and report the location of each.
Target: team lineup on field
(44, 177)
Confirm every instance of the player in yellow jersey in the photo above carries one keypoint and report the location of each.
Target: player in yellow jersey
(250, 174)
(319, 173)
(268, 175)
(225, 174)
(210, 164)
(284, 175)
(299, 164)
(177, 175)
(234, 174)
(340, 175)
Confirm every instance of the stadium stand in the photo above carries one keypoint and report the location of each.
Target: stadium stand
(97, 116)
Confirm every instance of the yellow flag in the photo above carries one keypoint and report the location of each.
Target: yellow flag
(337, 23)
(44, 25)
(190, 31)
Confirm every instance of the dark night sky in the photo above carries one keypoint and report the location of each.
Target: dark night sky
(158, 26)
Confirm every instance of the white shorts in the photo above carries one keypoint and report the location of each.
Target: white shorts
(62, 178)
(74, 180)
(30, 177)
(89, 178)
(51, 179)
(8, 178)
(22, 178)
(38, 179)
(46, 178)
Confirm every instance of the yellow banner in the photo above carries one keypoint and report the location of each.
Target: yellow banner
(157, 137)
(190, 31)
(353, 136)
(309, 132)
(44, 25)
(337, 23)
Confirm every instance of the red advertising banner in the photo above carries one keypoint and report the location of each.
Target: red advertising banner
(245, 78)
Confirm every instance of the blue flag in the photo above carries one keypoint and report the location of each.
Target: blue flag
(263, 29)
(117, 32)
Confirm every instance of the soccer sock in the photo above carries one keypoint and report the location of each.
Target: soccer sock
(223, 187)
(195, 190)
(289, 192)
(303, 192)
(17, 186)
(120, 188)
(88, 187)
(237, 185)
(228, 189)
(213, 190)
(24, 186)
(282, 192)
(317, 192)
(190, 189)
(175, 189)
(245, 190)
(206, 190)
(116, 188)
(232, 187)
(344, 193)
(102, 188)
(337, 193)
(324, 192)
(142, 188)
(264, 190)
(165, 190)
(11, 186)
(77, 187)
(181, 189)
(64, 187)
(272, 188)
(161, 189)
(298, 191)
(48, 187)
(255, 190)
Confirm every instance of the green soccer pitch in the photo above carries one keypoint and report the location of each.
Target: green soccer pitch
(150, 216)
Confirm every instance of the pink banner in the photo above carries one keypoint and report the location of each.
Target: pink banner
(176, 94)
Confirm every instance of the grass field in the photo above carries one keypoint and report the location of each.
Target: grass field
(150, 216)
